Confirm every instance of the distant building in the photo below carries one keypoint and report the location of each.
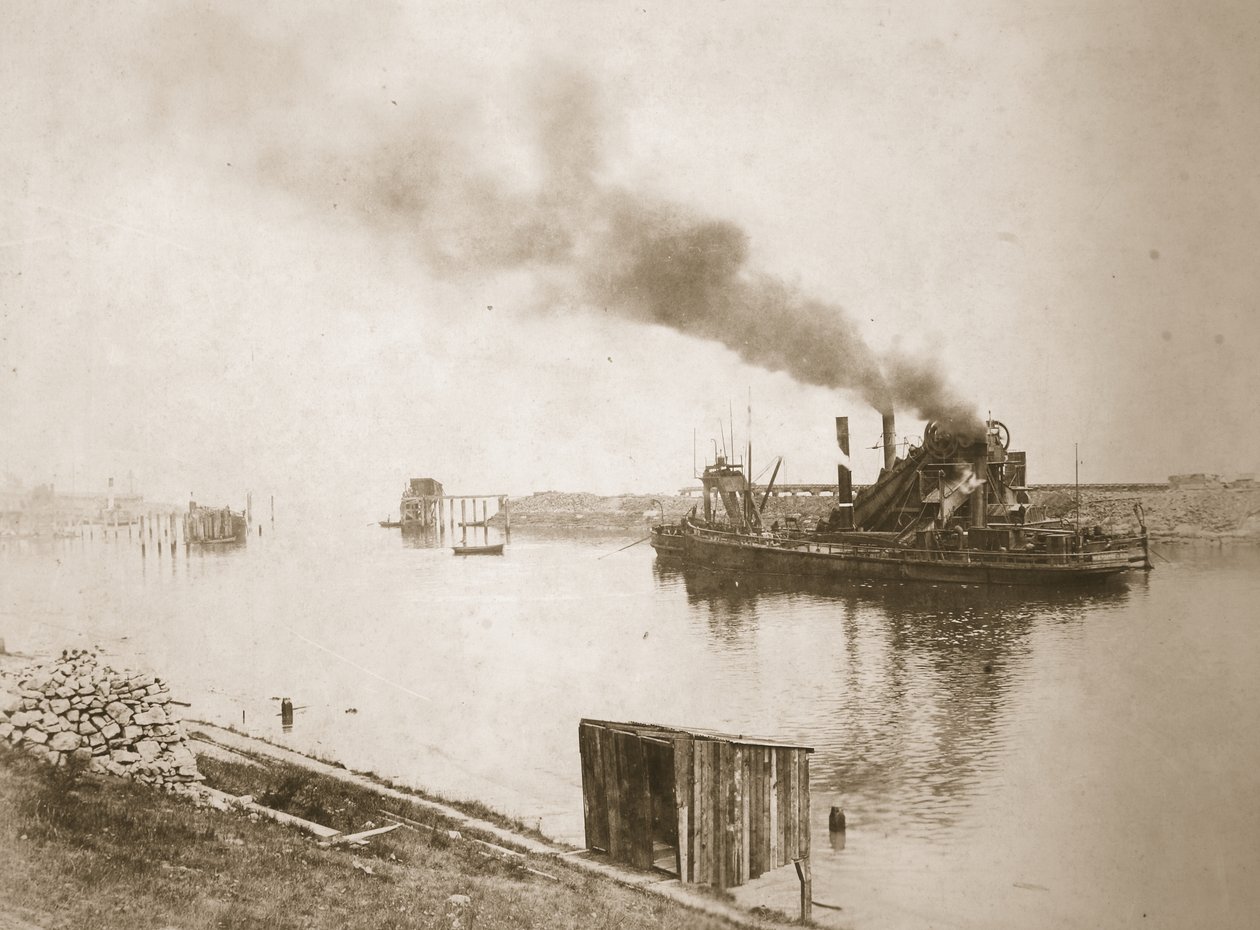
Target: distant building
(1195, 482)
(43, 509)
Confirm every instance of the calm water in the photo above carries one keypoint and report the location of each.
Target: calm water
(1054, 760)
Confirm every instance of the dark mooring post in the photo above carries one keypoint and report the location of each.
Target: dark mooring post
(835, 822)
(286, 713)
(836, 825)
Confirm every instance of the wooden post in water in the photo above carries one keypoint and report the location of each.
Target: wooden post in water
(507, 514)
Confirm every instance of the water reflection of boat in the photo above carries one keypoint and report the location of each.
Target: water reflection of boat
(915, 688)
(739, 590)
(952, 511)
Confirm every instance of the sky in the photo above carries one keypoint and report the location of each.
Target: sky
(315, 249)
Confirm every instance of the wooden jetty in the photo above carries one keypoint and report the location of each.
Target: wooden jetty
(714, 808)
(425, 505)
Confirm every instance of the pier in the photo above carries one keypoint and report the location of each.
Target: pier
(425, 505)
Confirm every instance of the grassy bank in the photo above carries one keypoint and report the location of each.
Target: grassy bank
(95, 852)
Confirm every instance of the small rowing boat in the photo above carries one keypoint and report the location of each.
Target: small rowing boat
(494, 549)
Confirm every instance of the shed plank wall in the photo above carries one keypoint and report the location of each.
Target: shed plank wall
(636, 801)
(745, 773)
(803, 795)
(741, 809)
(612, 793)
(594, 810)
(683, 774)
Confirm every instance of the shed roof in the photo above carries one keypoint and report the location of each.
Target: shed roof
(662, 732)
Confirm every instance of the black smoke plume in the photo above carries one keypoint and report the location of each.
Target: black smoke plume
(412, 170)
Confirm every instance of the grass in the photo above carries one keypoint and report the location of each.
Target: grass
(89, 852)
(474, 809)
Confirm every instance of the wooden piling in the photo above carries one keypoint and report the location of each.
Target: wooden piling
(836, 820)
(807, 888)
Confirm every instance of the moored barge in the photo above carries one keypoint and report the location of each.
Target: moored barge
(953, 510)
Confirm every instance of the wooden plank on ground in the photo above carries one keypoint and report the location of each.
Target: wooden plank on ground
(358, 839)
(253, 807)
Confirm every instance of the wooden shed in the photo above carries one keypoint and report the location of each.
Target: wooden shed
(714, 808)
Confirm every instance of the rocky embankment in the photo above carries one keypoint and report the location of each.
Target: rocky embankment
(1213, 514)
(1220, 513)
(76, 710)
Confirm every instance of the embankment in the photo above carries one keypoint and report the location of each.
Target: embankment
(1209, 514)
(95, 835)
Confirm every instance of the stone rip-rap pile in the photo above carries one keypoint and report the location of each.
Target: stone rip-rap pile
(77, 708)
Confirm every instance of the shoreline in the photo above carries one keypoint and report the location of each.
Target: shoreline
(1216, 516)
(236, 767)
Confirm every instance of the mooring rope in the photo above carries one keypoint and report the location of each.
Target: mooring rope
(364, 669)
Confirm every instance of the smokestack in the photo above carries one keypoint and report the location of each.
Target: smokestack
(980, 497)
(844, 485)
(842, 434)
(111, 493)
(890, 440)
